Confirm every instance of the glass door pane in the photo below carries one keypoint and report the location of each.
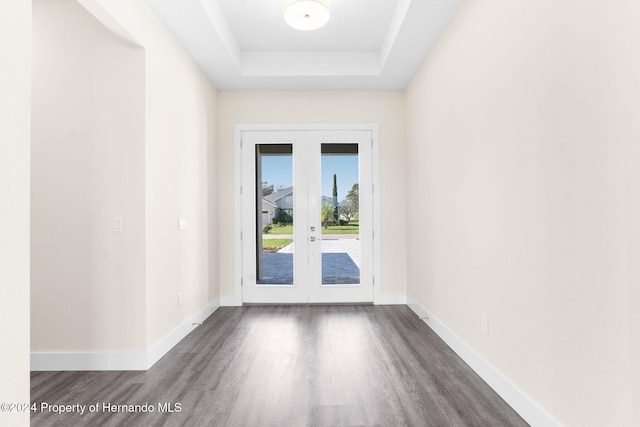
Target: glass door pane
(274, 214)
(339, 206)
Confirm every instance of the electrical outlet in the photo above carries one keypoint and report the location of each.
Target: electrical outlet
(182, 224)
(484, 324)
(179, 299)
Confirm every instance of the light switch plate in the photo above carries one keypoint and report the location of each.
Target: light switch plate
(182, 224)
(484, 324)
(118, 224)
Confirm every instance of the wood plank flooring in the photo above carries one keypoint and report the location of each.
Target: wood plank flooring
(288, 366)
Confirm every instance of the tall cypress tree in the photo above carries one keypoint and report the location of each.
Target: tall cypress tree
(336, 215)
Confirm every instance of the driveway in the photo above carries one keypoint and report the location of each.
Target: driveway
(340, 262)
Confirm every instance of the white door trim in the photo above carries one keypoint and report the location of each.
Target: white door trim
(236, 300)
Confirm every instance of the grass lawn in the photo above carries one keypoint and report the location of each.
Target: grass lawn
(351, 228)
(273, 245)
(286, 229)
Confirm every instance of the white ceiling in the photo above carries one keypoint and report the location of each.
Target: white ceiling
(367, 44)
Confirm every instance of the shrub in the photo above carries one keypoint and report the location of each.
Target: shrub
(284, 217)
(326, 214)
(266, 228)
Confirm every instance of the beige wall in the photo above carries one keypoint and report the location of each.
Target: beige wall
(15, 102)
(128, 130)
(522, 149)
(385, 108)
(87, 168)
(180, 171)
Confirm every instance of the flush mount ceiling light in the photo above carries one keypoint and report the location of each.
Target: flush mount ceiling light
(306, 15)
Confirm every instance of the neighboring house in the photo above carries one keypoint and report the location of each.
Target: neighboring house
(282, 201)
(326, 200)
(274, 203)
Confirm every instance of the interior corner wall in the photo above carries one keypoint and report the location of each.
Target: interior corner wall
(15, 106)
(180, 161)
(291, 107)
(522, 155)
(212, 190)
(629, 82)
(88, 281)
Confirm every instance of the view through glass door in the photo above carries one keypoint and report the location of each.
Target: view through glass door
(306, 226)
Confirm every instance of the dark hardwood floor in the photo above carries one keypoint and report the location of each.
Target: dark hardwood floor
(288, 366)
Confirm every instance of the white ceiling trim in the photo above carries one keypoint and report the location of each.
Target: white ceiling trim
(222, 29)
(200, 26)
(394, 29)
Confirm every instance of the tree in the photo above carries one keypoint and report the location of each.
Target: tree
(346, 209)
(336, 215)
(266, 188)
(353, 198)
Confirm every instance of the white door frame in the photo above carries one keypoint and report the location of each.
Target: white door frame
(239, 129)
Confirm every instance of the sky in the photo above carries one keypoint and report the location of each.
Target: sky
(277, 170)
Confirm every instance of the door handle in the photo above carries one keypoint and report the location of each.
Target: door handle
(312, 238)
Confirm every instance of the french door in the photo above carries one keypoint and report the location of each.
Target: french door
(307, 216)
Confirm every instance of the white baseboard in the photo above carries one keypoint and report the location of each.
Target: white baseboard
(121, 360)
(163, 346)
(526, 407)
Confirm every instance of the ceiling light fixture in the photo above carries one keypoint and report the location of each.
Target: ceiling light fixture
(306, 15)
